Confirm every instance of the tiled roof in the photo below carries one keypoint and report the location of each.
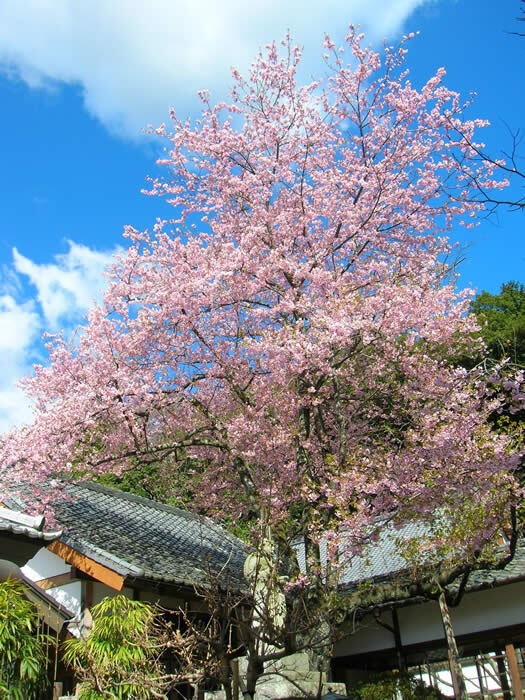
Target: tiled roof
(143, 539)
(139, 538)
(383, 560)
(515, 571)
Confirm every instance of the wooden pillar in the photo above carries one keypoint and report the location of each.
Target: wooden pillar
(502, 672)
(460, 690)
(514, 671)
(87, 593)
(394, 629)
(480, 680)
(401, 661)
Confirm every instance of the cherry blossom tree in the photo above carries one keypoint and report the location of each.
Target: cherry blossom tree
(290, 329)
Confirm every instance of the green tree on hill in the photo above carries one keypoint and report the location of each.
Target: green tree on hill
(502, 320)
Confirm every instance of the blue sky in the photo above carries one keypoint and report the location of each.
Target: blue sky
(78, 81)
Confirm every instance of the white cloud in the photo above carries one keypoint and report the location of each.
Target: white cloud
(67, 287)
(133, 60)
(19, 323)
(38, 297)
(21, 328)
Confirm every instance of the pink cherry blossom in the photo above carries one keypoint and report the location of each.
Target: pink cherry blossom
(298, 340)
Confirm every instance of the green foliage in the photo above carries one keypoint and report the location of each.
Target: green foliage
(389, 686)
(120, 658)
(23, 659)
(171, 482)
(142, 480)
(502, 320)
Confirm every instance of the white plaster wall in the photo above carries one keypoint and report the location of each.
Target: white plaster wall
(479, 611)
(45, 564)
(69, 596)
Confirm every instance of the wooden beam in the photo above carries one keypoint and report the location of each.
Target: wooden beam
(54, 581)
(87, 565)
(514, 671)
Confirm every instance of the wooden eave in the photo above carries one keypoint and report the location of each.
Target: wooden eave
(87, 565)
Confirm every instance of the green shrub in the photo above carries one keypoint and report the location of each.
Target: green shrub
(120, 658)
(23, 658)
(390, 686)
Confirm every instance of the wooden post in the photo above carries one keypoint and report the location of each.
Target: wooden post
(396, 631)
(514, 671)
(401, 661)
(88, 593)
(460, 690)
(502, 672)
(480, 680)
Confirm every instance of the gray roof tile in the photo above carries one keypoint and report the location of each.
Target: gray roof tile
(382, 560)
(140, 538)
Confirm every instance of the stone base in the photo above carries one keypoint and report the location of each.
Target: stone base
(289, 677)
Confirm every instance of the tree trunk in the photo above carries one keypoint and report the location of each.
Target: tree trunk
(322, 657)
(460, 690)
(253, 672)
(235, 679)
